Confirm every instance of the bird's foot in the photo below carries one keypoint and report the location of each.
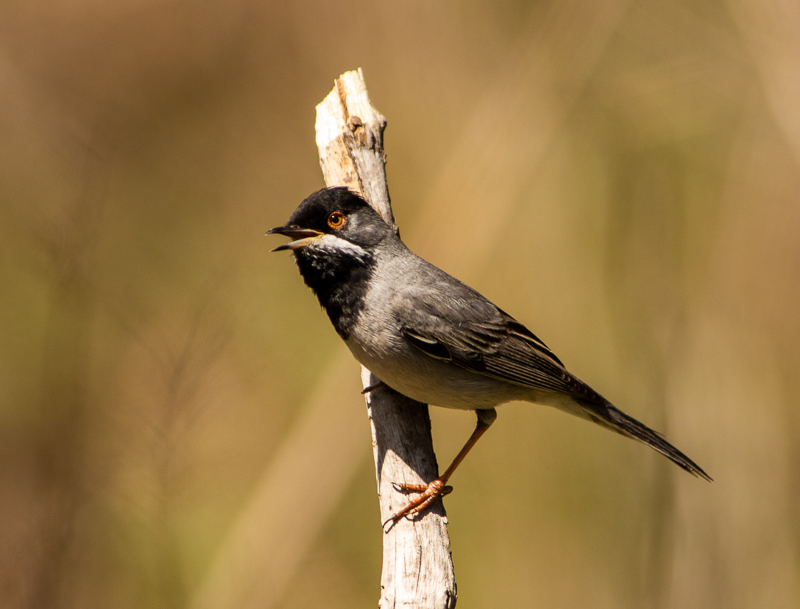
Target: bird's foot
(428, 493)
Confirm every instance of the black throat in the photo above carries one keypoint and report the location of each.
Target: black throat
(340, 282)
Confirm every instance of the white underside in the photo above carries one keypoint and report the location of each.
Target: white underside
(440, 383)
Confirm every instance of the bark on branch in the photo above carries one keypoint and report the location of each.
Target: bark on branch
(417, 568)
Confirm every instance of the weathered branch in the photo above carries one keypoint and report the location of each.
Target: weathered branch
(417, 568)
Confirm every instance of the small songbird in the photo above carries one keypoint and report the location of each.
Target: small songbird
(428, 336)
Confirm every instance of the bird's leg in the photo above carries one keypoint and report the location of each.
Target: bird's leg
(438, 487)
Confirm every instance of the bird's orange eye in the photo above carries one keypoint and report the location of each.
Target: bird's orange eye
(336, 220)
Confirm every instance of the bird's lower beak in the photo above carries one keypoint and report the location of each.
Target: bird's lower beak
(301, 236)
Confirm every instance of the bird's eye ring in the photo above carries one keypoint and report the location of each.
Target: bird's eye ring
(336, 220)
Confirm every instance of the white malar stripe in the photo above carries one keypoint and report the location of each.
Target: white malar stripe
(332, 243)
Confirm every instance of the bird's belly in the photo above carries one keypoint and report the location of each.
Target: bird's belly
(433, 381)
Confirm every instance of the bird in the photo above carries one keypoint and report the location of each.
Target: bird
(430, 337)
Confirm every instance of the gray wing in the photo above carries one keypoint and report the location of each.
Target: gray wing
(474, 334)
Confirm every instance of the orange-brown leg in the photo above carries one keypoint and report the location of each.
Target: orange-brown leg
(438, 488)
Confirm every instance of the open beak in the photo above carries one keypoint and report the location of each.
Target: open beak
(301, 236)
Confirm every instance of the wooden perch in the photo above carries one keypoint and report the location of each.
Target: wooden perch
(417, 568)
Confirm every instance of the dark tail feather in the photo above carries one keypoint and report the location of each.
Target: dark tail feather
(606, 415)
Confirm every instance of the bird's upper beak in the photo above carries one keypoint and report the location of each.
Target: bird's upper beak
(301, 236)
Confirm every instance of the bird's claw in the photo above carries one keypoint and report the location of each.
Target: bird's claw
(428, 493)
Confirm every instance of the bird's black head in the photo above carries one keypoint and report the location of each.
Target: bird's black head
(335, 234)
(338, 213)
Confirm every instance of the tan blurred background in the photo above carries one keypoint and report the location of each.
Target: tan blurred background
(179, 425)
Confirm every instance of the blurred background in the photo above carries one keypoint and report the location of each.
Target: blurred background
(181, 427)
